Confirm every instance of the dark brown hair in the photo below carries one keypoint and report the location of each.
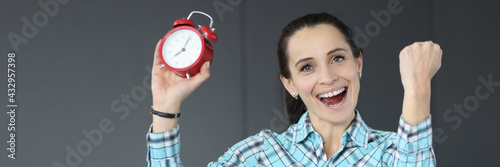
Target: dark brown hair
(295, 108)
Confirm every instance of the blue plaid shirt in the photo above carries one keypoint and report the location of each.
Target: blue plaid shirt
(300, 145)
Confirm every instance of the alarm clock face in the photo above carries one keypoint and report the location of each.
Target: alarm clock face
(182, 48)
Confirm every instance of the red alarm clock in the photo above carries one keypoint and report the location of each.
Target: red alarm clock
(184, 49)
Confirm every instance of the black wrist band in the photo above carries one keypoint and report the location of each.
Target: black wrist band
(164, 115)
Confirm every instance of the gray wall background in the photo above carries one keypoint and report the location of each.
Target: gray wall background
(80, 64)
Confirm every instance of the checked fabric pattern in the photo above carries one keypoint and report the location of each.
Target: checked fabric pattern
(300, 145)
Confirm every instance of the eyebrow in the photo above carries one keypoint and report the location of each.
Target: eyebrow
(336, 50)
(310, 58)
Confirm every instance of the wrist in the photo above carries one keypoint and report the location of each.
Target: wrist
(164, 114)
(166, 101)
(417, 89)
(166, 107)
(161, 124)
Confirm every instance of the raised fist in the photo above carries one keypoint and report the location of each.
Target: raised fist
(418, 63)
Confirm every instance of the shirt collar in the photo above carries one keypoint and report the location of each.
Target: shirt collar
(357, 131)
(303, 128)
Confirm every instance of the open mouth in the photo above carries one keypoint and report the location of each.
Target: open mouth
(333, 98)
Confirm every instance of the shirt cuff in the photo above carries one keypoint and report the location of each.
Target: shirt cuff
(415, 138)
(163, 145)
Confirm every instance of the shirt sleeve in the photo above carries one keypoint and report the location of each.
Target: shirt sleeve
(164, 148)
(414, 144)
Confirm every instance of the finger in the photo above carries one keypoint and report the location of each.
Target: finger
(157, 58)
(204, 73)
(418, 44)
(440, 54)
(404, 51)
(437, 46)
(427, 44)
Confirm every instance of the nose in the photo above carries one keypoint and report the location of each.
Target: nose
(327, 76)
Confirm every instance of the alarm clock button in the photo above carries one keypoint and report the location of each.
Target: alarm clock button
(208, 33)
(181, 22)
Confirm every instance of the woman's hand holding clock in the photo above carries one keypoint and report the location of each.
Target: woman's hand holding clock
(169, 90)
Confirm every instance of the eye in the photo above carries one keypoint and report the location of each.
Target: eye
(337, 59)
(306, 68)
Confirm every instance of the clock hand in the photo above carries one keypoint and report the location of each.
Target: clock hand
(186, 42)
(180, 52)
(184, 47)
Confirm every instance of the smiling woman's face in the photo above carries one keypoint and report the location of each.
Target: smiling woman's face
(324, 73)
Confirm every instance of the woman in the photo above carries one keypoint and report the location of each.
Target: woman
(320, 67)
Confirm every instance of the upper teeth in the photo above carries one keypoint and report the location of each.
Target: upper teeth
(331, 94)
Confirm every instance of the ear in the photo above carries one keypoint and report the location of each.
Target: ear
(288, 84)
(359, 61)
